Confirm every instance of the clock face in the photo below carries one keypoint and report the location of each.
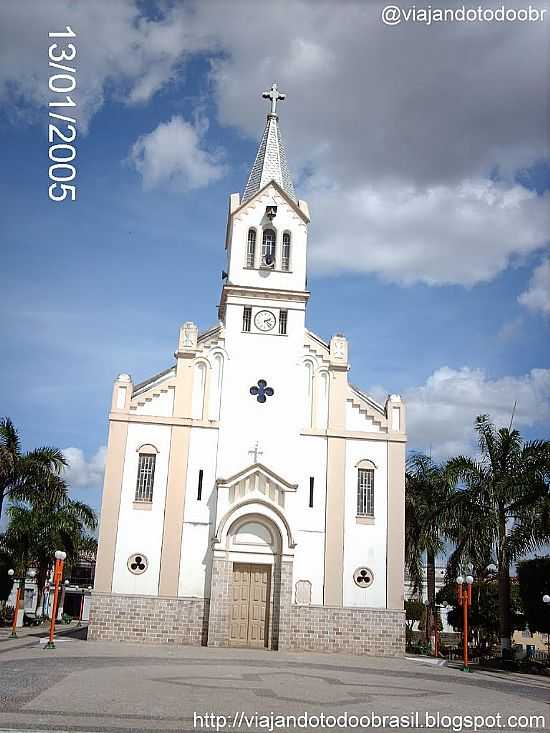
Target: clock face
(264, 320)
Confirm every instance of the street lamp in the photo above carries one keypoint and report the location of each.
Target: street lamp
(57, 575)
(13, 634)
(546, 598)
(464, 596)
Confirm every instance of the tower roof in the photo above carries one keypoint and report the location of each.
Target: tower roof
(270, 163)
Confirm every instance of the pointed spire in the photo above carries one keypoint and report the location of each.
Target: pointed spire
(270, 163)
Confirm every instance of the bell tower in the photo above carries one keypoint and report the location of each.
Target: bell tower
(266, 238)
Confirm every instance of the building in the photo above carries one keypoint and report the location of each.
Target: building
(410, 594)
(252, 495)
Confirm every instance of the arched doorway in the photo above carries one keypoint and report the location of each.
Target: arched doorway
(251, 578)
(253, 544)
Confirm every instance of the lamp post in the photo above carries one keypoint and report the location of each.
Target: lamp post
(13, 634)
(57, 575)
(464, 596)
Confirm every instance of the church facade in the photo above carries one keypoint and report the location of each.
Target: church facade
(253, 496)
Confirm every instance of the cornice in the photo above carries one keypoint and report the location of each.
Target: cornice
(244, 291)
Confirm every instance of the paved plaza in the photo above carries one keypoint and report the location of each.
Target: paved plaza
(108, 686)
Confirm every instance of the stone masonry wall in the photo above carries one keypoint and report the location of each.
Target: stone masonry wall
(147, 619)
(371, 631)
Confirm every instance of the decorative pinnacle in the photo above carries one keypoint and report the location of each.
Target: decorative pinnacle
(275, 96)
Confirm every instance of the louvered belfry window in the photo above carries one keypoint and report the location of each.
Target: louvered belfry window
(365, 492)
(285, 254)
(145, 477)
(251, 248)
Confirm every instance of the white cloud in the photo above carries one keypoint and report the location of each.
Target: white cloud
(117, 50)
(441, 412)
(172, 155)
(465, 233)
(406, 131)
(82, 473)
(537, 296)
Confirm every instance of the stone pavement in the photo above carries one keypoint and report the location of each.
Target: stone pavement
(109, 686)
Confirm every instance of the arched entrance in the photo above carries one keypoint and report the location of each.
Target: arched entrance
(251, 578)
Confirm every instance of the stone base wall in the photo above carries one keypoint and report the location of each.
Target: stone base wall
(372, 631)
(185, 621)
(148, 619)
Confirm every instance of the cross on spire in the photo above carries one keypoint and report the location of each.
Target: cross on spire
(275, 96)
(256, 452)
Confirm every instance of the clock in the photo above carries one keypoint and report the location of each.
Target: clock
(264, 320)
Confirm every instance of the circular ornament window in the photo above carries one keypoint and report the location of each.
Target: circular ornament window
(363, 577)
(137, 563)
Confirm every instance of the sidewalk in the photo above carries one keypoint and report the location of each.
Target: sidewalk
(29, 635)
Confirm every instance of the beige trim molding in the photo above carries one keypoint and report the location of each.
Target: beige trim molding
(364, 520)
(143, 505)
(334, 523)
(395, 550)
(110, 505)
(173, 511)
(168, 420)
(356, 435)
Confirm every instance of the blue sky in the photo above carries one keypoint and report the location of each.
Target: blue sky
(429, 235)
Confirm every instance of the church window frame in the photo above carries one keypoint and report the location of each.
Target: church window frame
(365, 488)
(251, 248)
(247, 319)
(285, 252)
(269, 246)
(283, 323)
(145, 480)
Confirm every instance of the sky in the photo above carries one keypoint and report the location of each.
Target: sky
(424, 155)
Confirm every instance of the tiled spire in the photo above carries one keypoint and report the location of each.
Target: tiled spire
(270, 163)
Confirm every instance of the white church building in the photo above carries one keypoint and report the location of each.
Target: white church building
(253, 496)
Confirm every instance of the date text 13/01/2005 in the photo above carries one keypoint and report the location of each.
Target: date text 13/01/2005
(62, 154)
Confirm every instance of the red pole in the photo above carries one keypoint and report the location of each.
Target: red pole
(465, 626)
(13, 634)
(58, 572)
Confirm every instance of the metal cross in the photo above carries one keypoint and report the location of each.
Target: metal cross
(262, 391)
(256, 452)
(275, 95)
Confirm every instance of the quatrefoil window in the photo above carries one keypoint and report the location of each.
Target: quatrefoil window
(262, 391)
(363, 577)
(137, 563)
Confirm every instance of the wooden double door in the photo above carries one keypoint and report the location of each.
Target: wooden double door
(250, 605)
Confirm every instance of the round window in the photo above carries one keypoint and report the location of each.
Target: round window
(363, 577)
(137, 563)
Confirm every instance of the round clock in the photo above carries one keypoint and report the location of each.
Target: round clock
(264, 320)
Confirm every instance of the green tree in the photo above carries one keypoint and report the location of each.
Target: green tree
(502, 506)
(22, 473)
(534, 583)
(427, 497)
(415, 611)
(48, 521)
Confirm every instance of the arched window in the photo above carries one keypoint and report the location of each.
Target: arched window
(365, 489)
(268, 248)
(251, 248)
(216, 379)
(285, 254)
(199, 383)
(322, 396)
(147, 457)
(308, 393)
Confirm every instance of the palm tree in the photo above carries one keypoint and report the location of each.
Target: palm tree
(427, 497)
(502, 509)
(50, 520)
(21, 473)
